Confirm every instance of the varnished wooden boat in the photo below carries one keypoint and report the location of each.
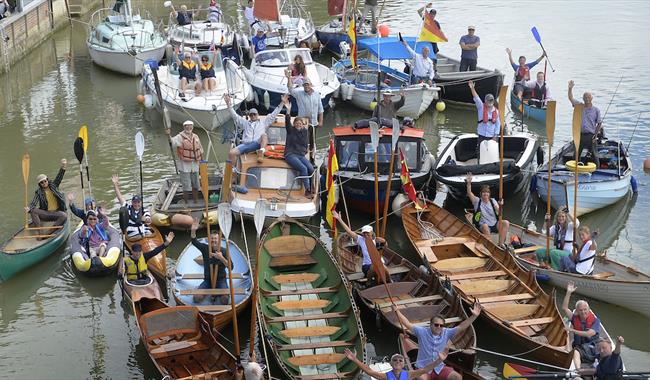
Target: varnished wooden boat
(180, 342)
(306, 306)
(418, 295)
(135, 290)
(169, 209)
(512, 300)
(189, 275)
(157, 264)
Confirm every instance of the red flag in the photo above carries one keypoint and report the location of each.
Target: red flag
(431, 31)
(407, 185)
(335, 7)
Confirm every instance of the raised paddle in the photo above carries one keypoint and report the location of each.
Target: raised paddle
(538, 38)
(139, 150)
(258, 217)
(224, 213)
(83, 133)
(79, 153)
(25, 180)
(550, 131)
(374, 141)
(502, 107)
(393, 141)
(577, 126)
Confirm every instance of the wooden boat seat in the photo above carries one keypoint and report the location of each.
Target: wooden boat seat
(407, 301)
(602, 275)
(292, 261)
(301, 304)
(505, 298)
(310, 331)
(534, 248)
(211, 292)
(533, 321)
(214, 308)
(199, 276)
(291, 292)
(165, 349)
(208, 375)
(477, 287)
(327, 376)
(427, 252)
(290, 245)
(470, 276)
(307, 317)
(512, 311)
(295, 277)
(311, 346)
(316, 359)
(170, 196)
(460, 264)
(395, 269)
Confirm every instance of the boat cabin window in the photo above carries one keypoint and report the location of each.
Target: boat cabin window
(348, 154)
(409, 148)
(270, 178)
(383, 150)
(281, 58)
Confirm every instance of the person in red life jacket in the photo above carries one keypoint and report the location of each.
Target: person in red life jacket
(190, 152)
(488, 118)
(397, 364)
(540, 93)
(609, 364)
(486, 212)
(522, 72)
(585, 327)
(187, 69)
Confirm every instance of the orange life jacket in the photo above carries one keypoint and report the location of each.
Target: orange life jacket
(522, 73)
(190, 150)
(493, 119)
(274, 151)
(577, 324)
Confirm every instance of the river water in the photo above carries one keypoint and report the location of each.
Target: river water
(55, 325)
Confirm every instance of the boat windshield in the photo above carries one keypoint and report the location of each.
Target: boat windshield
(409, 148)
(270, 178)
(277, 135)
(349, 154)
(281, 58)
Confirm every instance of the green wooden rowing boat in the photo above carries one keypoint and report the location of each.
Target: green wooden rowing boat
(307, 309)
(23, 249)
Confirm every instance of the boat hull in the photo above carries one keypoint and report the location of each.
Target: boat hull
(538, 114)
(123, 62)
(453, 85)
(157, 264)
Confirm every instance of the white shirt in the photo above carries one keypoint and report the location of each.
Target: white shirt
(586, 252)
(361, 241)
(568, 236)
(309, 105)
(253, 130)
(248, 14)
(422, 66)
(531, 84)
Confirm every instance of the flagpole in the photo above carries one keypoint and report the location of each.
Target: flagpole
(415, 46)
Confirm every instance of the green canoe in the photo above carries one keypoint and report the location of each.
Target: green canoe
(23, 250)
(307, 309)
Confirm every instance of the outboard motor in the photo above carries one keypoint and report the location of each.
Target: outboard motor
(345, 49)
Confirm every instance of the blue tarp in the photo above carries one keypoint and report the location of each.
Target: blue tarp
(392, 48)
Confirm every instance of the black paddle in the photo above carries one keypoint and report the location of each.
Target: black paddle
(79, 153)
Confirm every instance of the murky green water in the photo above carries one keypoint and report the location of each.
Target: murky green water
(54, 324)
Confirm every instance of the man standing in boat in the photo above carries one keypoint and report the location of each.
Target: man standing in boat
(218, 257)
(139, 219)
(423, 70)
(434, 340)
(433, 13)
(370, 6)
(522, 72)
(386, 108)
(486, 212)
(136, 261)
(190, 152)
(591, 124)
(48, 204)
(585, 327)
(308, 100)
(469, 44)
(488, 119)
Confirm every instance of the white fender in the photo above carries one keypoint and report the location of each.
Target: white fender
(148, 101)
(267, 100)
(397, 203)
(350, 91)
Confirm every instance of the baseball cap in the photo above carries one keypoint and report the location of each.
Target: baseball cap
(489, 97)
(471, 27)
(188, 122)
(387, 93)
(366, 228)
(253, 111)
(88, 201)
(40, 178)
(136, 198)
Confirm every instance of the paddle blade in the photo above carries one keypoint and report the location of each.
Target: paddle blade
(203, 173)
(577, 124)
(25, 168)
(225, 218)
(139, 144)
(395, 135)
(375, 258)
(511, 370)
(79, 149)
(123, 217)
(536, 35)
(550, 121)
(83, 133)
(503, 92)
(259, 216)
(374, 135)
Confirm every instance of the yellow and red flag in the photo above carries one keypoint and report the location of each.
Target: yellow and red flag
(430, 31)
(407, 185)
(332, 167)
(352, 33)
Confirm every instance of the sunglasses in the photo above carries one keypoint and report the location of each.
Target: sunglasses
(92, 218)
(43, 181)
(438, 324)
(397, 360)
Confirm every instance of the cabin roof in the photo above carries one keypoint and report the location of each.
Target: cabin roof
(348, 131)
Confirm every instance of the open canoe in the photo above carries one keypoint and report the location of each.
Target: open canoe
(189, 275)
(306, 307)
(180, 342)
(512, 300)
(416, 293)
(169, 209)
(23, 249)
(157, 264)
(530, 111)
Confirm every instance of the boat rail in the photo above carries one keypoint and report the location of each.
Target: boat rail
(109, 14)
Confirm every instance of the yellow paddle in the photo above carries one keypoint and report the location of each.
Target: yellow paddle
(577, 125)
(550, 131)
(25, 180)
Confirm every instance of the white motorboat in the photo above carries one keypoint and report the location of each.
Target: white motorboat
(122, 41)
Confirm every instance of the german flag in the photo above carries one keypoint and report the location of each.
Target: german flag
(407, 185)
(332, 167)
(352, 33)
(430, 31)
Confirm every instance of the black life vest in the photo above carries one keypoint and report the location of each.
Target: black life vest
(539, 93)
(206, 71)
(187, 70)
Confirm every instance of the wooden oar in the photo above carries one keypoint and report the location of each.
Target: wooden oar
(258, 217)
(550, 132)
(538, 38)
(139, 150)
(394, 138)
(79, 153)
(374, 141)
(502, 107)
(577, 125)
(224, 214)
(166, 121)
(25, 180)
(83, 133)
(203, 173)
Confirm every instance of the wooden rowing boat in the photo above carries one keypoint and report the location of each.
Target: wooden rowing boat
(169, 209)
(512, 300)
(416, 293)
(157, 264)
(306, 306)
(188, 275)
(180, 342)
(611, 281)
(24, 250)
(135, 290)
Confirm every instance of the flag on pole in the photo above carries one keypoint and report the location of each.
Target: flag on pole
(332, 167)
(407, 185)
(352, 33)
(431, 30)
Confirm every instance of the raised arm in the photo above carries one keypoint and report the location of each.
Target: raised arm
(429, 5)
(512, 62)
(237, 118)
(61, 173)
(116, 186)
(472, 88)
(270, 119)
(571, 99)
(347, 228)
(476, 311)
(404, 321)
(570, 288)
(363, 366)
(442, 356)
(620, 342)
(468, 181)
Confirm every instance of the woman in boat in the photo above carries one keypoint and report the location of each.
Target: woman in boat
(139, 217)
(562, 234)
(94, 235)
(397, 363)
(89, 204)
(486, 212)
(297, 69)
(206, 70)
(583, 259)
(297, 147)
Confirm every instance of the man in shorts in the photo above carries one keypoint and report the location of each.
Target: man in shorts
(190, 152)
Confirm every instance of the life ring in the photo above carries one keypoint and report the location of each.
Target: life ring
(589, 167)
(274, 151)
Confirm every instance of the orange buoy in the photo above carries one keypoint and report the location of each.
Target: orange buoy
(140, 98)
(646, 165)
(384, 30)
